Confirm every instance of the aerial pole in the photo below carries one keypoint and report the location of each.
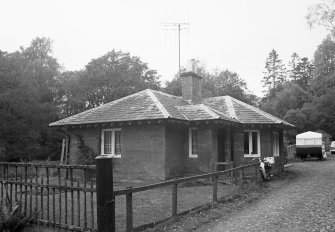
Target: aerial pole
(179, 27)
(179, 45)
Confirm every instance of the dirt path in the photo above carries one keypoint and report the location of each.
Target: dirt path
(307, 203)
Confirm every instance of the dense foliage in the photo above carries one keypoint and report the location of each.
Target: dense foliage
(27, 89)
(216, 83)
(306, 97)
(35, 92)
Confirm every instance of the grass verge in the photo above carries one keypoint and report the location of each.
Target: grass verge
(225, 206)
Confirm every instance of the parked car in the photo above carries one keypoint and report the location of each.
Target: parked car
(332, 148)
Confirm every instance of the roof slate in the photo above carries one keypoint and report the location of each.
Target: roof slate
(194, 112)
(138, 106)
(150, 104)
(170, 102)
(243, 112)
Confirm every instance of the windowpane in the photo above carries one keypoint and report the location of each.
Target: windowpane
(107, 142)
(254, 143)
(246, 142)
(194, 141)
(117, 142)
(309, 141)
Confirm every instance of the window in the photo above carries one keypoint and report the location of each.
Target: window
(111, 142)
(193, 143)
(275, 144)
(252, 145)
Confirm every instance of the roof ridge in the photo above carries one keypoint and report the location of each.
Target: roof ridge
(230, 107)
(170, 95)
(218, 111)
(177, 107)
(158, 103)
(210, 112)
(167, 94)
(213, 97)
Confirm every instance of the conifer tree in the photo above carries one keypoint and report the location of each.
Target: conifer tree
(274, 74)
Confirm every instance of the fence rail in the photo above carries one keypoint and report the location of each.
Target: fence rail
(128, 192)
(60, 196)
(65, 196)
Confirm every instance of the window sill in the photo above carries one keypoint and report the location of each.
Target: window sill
(113, 156)
(193, 156)
(252, 155)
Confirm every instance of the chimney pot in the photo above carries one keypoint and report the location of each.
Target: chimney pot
(192, 66)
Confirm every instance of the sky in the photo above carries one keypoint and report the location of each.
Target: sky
(226, 34)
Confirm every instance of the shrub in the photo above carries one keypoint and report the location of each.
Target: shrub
(13, 220)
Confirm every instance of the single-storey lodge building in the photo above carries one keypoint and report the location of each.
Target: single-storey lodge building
(156, 135)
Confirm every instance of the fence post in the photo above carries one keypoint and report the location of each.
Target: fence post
(256, 174)
(174, 199)
(105, 194)
(215, 188)
(129, 209)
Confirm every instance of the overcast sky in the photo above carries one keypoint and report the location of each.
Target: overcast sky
(234, 35)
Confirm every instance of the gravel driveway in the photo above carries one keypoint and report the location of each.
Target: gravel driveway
(306, 203)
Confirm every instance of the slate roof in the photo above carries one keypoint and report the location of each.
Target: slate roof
(150, 105)
(242, 112)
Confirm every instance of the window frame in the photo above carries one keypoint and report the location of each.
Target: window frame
(250, 143)
(275, 150)
(190, 142)
(102, 149)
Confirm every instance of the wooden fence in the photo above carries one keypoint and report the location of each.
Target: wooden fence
(62, 196)
(65, 196)
(237, 171)
(291, 152)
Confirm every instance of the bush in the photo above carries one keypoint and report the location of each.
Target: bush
(85, 154)
(13, 220)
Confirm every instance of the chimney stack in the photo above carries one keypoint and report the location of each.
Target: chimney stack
(191, 83)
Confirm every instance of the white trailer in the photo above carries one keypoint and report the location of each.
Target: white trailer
(310, 144)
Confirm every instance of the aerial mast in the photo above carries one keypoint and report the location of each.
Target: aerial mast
(179, 27)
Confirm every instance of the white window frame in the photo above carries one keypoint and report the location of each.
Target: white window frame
(250, 143)
(113, 142)
(274, 143)
(190, 155)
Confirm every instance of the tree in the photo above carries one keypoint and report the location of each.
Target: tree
(226, 82)
(324, 61)
(274, 74)
(303, 72)
(71, 93)
(291, 97)
(27, 84)
(324, 109)
(174, 86)
(322, 14)
(115, 75)
(293, 66)
(297, 118)
(216, 83)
